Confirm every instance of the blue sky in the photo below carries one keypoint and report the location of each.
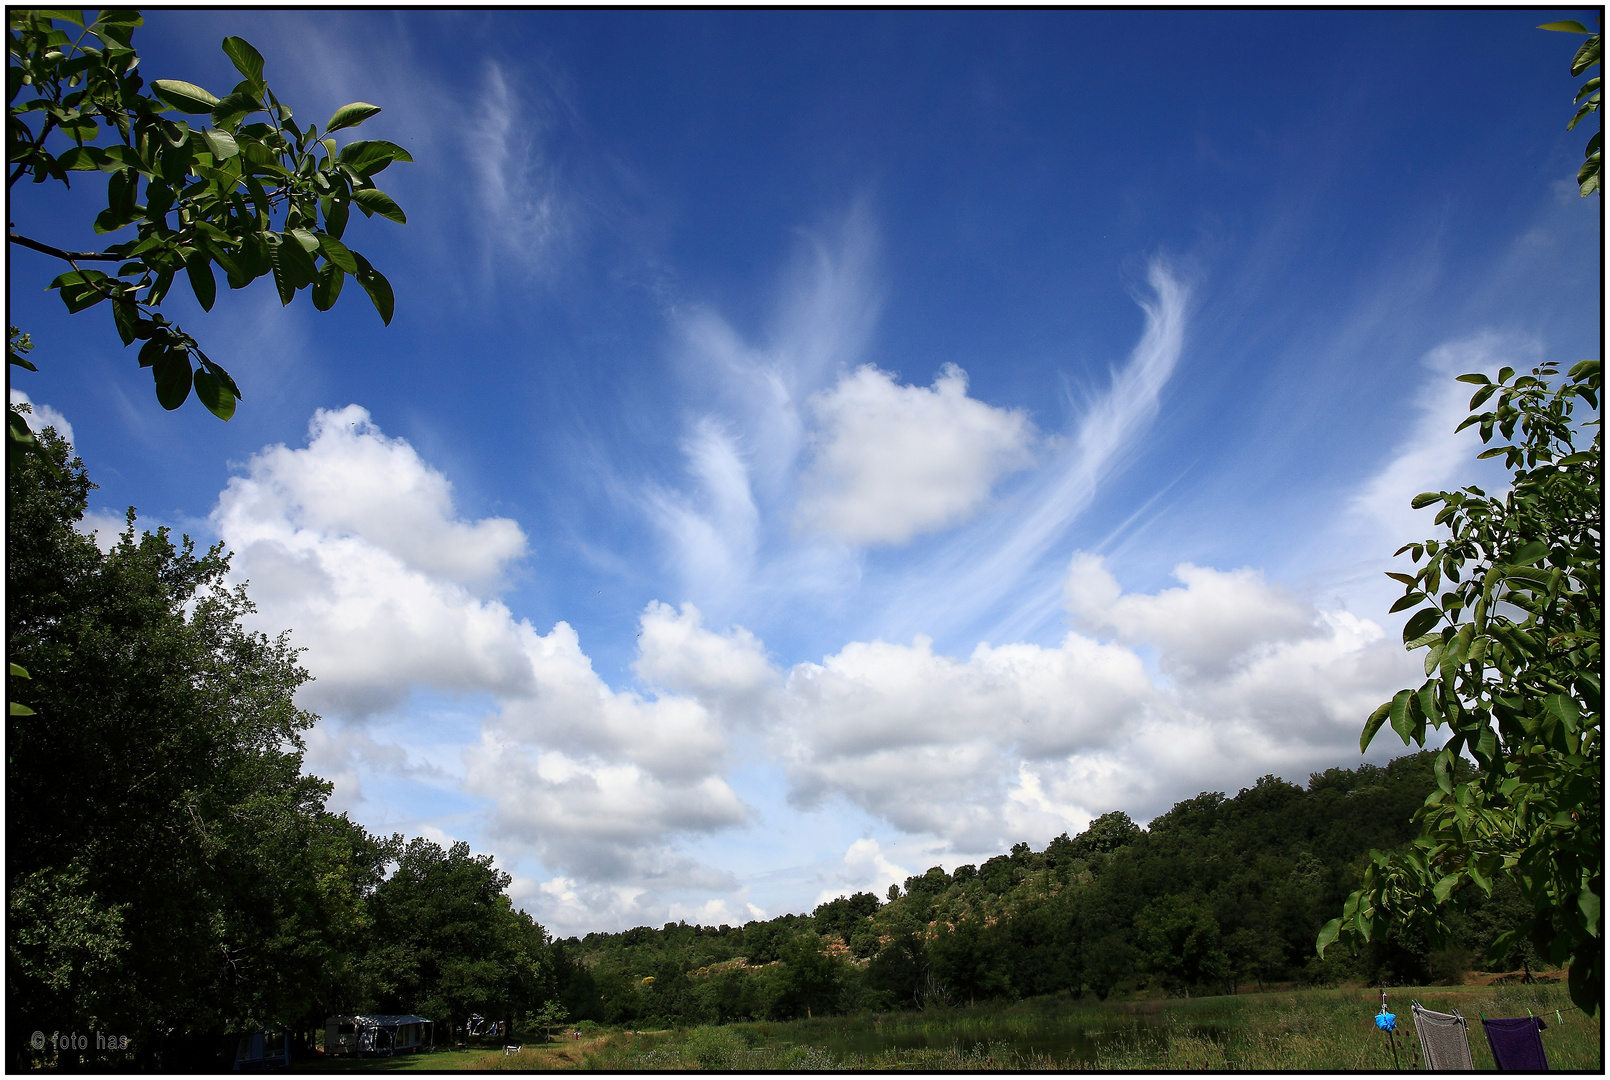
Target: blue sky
(813, 446)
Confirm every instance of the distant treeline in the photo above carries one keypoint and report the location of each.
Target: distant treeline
(172, 873)
(1218, 893)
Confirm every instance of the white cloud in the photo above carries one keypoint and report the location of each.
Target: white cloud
(103, 526)
(353, 481)
(42, 416)
(893, 461)
(929, 743)
(602, 822)
(712, 534)
(1217, 617)
(1433, 456)
(724, 671)
(1023, 742)
(1004, 559)
(355, 542)
(520, 211)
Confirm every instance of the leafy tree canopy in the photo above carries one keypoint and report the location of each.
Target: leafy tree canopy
(1510, 614)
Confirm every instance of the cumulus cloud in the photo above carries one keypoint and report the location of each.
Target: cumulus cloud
(355, 542)
(893, 461)
(353, 481)
(1022, 742)
(1217, 617)
(724, 671)
(1012, 563)
(930, 743)
(603, 822)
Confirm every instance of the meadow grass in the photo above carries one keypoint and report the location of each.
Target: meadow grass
(1321, 1030)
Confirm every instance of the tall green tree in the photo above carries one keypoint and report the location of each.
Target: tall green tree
(169, 867)
(450, 942)
(1510, 616)
(240, 185)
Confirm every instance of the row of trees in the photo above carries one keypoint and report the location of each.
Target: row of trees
(1217, 894)
(171, 870)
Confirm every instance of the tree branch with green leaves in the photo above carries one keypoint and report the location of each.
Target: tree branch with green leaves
(1510, 613)
(1589, 55)
(246, 188)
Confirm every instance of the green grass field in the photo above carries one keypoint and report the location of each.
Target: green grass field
(1328, 1030)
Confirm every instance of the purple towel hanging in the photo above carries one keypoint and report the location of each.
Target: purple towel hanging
(1517, 1044)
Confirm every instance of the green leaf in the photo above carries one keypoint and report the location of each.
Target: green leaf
(336, 252)
(375, 201)
(199, 269)
(1372, 725)
(375, 284)
(327, 286)
(1402, 719)
(233, 107)
(18, 671)
(309, 242)
(1327, 934)
(1425, 498)
(214, 394)
(64, 14)
(366, 157)
(292, 258)
(1408, 600)
(221, 143)
(247, 60)
(1529, 554)
(1428, 702)
(1565, 26)
(1587, 55)
(1420, 622)
(350, 116)
(82, 158)
(126, 317)
(1592, 907)
(172, 373)
(183, 96)
(1445, 887)
(16, 708)
(1564, 707)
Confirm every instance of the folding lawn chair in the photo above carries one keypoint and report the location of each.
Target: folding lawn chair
(1444, 1039)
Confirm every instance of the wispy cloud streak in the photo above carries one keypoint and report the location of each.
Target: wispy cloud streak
(971, 576)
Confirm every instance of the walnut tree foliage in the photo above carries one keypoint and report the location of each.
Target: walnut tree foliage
(1589, 55)
(1510, 613)
(240, 185)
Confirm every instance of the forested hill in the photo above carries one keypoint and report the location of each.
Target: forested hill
(1218, 893)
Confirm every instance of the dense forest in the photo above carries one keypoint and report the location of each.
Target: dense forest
(172, 871)
(1218, 894)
